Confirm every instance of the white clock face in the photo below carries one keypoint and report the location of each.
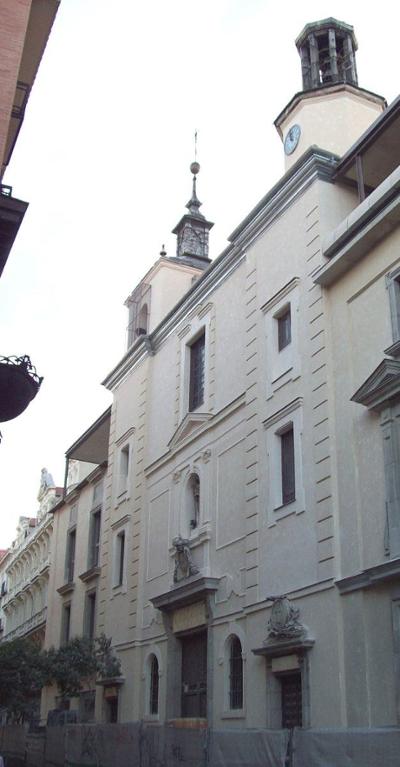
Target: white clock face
(292, 139)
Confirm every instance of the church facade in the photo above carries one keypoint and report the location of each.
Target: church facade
(248, 567)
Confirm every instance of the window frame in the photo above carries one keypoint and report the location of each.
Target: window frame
(70, 555)
(281, 364)
(197, 362)
(288, 465)
(89, 623)
(120, 559)
(123, 480)
(200, 324)
(65, 623)
(236, 675)
(393, 286)
(94, 538)
(154, 686)
(288, 418)
(284, 327)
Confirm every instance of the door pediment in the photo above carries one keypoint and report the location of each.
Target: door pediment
(381, 386)
(191, 423)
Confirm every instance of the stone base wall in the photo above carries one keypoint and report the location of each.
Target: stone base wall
(139, 744)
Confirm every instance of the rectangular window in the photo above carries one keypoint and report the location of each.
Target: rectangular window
(90, 615)
(284, 329)
(120, 558)
(197, 373)
(66, 624)
(123, 469)
(97, 495)
(94, 539)
(287, 467)
(73, 514)
(70, 557)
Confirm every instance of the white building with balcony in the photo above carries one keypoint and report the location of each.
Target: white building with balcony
(24, 570)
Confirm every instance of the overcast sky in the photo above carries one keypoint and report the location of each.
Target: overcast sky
(103, 160)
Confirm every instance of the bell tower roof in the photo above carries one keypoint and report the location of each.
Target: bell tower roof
(193, 228)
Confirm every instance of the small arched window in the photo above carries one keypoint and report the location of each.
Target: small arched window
(235, 674)
(154, 680)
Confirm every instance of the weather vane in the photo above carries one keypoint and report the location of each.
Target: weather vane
(195, 145)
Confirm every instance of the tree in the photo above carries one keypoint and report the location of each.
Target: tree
(25, 669)
(23, 672)
(72, 666)
(75, 664)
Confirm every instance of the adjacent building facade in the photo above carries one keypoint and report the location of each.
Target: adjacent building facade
(24, 30)
(245, 557)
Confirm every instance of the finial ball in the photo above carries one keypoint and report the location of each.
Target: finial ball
(194, 168)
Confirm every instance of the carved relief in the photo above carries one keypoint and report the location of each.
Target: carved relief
(284, 623)
(176, 476)
(184, 565)
(206, 455)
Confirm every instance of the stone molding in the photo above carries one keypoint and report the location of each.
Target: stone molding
(370, 577)
(184, 593)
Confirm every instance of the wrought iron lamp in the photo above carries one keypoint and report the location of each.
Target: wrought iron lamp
(19, 384)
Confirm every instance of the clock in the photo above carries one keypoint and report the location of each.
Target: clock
(292, 139)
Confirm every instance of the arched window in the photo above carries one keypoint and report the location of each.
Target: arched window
(154, 678)
(193, 501)
(235, 674)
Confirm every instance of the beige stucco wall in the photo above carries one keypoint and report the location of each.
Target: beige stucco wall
(168, 284)
(331, 121)
(82, 498)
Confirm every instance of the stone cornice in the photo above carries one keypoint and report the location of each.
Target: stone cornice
(91, 574)
(67, 588)
(370, 577)
(279, 647)
(371, 221)
(314, 164)
(186, 592)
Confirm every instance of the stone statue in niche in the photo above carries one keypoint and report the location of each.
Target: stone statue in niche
(184, 565)
(284, 623)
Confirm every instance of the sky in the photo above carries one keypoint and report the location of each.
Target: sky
(103, 159)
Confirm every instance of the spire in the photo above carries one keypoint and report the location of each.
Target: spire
(193, 228)
(194, 203)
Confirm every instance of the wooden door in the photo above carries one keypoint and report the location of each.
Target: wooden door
(194, 675)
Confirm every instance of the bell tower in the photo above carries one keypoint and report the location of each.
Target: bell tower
(331, 111)
(327, 52)
(192, 230)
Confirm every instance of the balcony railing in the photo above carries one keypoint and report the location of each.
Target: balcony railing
(40, 569)
(27, 626)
